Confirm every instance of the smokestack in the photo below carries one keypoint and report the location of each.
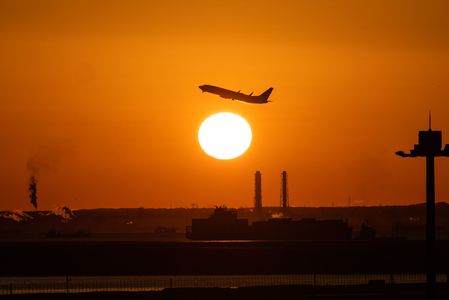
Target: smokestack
(257, 192)
(284, 192)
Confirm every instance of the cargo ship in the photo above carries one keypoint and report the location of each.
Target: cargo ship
(224, 224)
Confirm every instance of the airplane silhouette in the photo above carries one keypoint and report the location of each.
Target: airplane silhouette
(228, 94)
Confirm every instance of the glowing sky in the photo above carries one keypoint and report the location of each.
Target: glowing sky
(103, 96)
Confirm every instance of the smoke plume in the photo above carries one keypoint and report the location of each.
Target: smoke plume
(32, 188)
(16, 215)
(35, 164)
(278, 215)
(64, 212)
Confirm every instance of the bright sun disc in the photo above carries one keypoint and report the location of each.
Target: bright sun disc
(225, 135)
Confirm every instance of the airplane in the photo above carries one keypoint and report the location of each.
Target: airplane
(228, 94)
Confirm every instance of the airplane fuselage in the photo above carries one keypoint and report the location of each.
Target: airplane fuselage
(228, 94)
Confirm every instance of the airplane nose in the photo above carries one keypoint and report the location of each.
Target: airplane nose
(201, 88)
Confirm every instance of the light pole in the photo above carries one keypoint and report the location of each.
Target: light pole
(429, 146)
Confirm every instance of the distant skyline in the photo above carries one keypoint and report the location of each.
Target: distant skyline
(102, 99)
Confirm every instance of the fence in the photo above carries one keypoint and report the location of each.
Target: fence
(78, 284)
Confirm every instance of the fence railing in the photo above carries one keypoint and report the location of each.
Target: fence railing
(82, 284)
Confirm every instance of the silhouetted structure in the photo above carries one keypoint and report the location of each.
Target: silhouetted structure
(257, 193)
(81, 233)
(366, 232)
(429, 146)
(223, 224)
(228, 94)
(32, 188)
(284, 192)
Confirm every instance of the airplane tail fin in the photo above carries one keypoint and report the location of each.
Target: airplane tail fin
(266, 94)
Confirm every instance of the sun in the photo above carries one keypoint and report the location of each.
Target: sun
(225, 135)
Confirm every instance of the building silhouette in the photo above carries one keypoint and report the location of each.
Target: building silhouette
(224, 224)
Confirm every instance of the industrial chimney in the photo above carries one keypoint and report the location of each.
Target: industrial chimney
(258, 192)
(284, 192)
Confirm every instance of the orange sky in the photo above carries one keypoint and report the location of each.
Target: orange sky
(104, 96)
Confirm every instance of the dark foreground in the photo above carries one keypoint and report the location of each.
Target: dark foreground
(409, 292)
(90, 258)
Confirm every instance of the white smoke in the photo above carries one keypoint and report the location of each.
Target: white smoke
(278, 215)
(16, 215)
(63, 212)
